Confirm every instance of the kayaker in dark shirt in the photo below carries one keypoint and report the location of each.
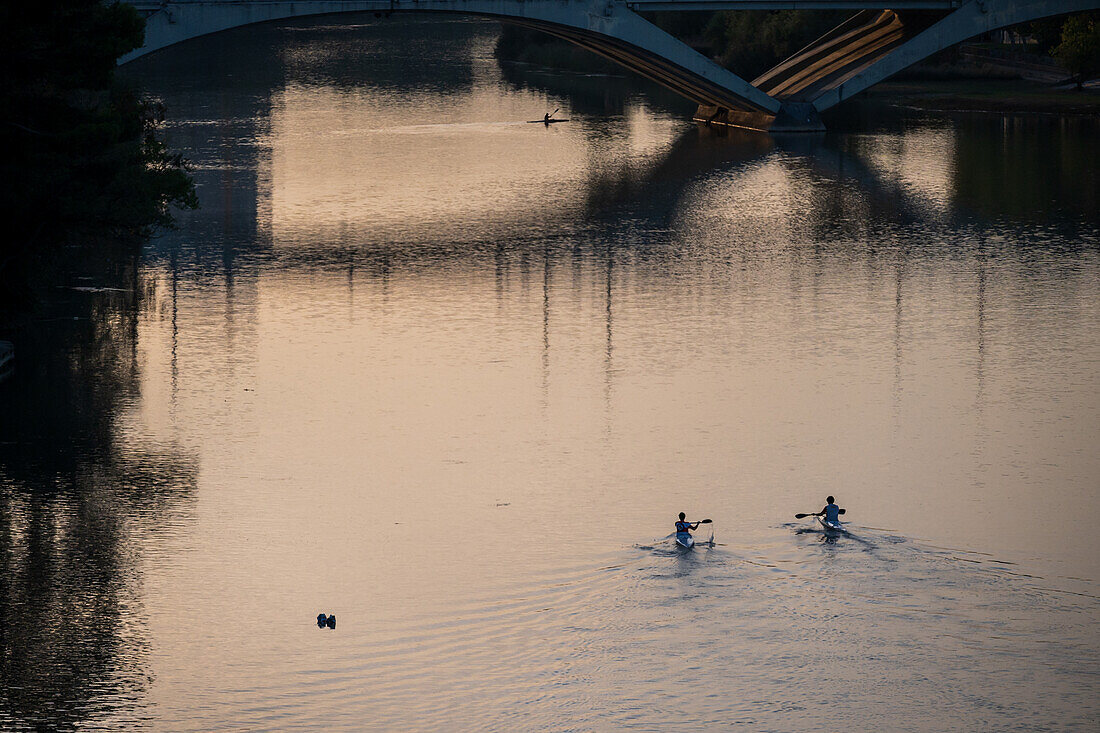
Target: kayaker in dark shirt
(685, 527)
(546, 117)
(831, 512)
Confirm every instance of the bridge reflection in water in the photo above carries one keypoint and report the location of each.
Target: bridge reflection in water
(870, 46)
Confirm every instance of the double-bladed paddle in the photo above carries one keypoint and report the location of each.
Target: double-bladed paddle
(701, 521)
(811, 514)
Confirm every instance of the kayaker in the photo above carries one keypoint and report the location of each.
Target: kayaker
(546, 118)
(831, 512)
(685, 527)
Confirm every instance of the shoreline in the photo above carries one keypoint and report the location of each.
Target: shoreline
(998, 96)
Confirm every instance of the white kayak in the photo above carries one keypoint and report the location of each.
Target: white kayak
(683, 539)
(830, 526)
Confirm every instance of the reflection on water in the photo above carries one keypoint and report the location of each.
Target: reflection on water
(450, 376)
(81, 495)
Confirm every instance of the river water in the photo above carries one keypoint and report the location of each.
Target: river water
(450, 376)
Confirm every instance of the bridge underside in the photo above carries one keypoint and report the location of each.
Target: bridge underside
(869, 47)
(651, 66)
(606, 27)
(828, 62)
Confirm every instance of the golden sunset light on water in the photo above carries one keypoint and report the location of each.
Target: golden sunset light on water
(394, 430)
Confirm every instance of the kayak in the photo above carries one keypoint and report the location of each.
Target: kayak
(544, 122)
(830, 526)
(683, 539)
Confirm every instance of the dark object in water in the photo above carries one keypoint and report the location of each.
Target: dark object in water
(331, 621)
(544, 122)
(323, 621)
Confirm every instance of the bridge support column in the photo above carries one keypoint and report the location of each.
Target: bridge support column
(791, 117)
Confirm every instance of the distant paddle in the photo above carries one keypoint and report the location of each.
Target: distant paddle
(547, 118)
(811, 514)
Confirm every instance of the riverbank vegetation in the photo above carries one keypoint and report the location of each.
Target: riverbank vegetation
(527, 46)
(746, 42)
(1079, 48)
(750, 42)
(84, 159)
(984, 95)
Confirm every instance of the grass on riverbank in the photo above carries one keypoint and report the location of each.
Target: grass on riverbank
(987, 95)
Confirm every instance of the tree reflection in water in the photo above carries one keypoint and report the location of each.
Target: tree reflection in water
(78, 503)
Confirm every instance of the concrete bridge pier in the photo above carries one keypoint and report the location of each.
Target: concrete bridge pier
(791, 117)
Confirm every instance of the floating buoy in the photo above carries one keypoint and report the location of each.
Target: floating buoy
(331, 621)
(321, 621)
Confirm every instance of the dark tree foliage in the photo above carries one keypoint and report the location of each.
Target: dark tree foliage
(1079, 50)
(82, 156)
(749, 42)
(535, 47)
(1045, 32)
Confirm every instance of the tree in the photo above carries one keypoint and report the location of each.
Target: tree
(1079, 50)
(82, 152)
(750, 42)
(1046, 32)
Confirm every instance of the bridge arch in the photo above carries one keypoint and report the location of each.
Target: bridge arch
(871, 46)
(606, 27)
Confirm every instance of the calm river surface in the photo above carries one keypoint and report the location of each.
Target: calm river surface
(451, 376)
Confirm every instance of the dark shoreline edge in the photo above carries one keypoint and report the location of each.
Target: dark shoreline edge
(995, 96)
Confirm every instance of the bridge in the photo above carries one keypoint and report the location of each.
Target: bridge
(872, 45)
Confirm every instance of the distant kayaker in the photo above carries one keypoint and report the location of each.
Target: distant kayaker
(831, 512)
(685, 527)
(546, 117)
